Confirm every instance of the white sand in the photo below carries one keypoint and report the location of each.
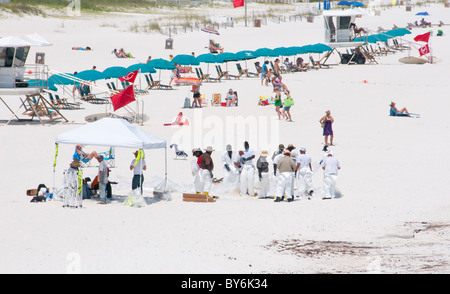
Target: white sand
(392, 217)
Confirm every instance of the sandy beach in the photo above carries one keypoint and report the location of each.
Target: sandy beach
(393, 213)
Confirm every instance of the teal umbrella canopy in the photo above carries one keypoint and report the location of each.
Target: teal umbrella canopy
(397, 32)
(90, 75)
(246, 55)
(161, 64)
(320, 48)
(286, 51)
(144, 68)
(57, 79)
(227, 56)
(265, 52)
(298, 50)
(115, 72)
(208, 58)
(185, 59)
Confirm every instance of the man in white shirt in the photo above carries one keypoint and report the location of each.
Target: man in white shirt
(102, 179)
(330, 166)
(304, 173)
(248, 171)
(138, 166)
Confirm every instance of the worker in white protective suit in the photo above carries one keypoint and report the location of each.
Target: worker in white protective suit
(230, 160)
(206, 170)
(304, 173)
(248, 171)
(195, 168)
(286, 168)
(273, 179)
(263, 174)
(330, 166)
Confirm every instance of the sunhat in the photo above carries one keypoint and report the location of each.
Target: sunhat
(209, 149)
(264, 153)
(75, 164)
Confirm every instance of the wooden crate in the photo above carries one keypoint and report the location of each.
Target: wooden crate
(197, 198)
(32, 192)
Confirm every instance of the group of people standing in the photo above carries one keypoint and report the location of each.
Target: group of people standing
(292, 169)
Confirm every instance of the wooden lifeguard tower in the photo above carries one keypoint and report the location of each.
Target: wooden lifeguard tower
(20, 79)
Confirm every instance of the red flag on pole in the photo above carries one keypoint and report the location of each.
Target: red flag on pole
(123, 98)
(424, 50)
(130, 77)
(238, 3)
(422, 38)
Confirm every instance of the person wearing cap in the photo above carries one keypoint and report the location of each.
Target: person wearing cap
(263, 174)
(206, 170)
(248, 171)
(138, 166)
(330, 166)
(230, 98)
(305, 173)
(279, 151)
(286, 168)
(294, 154)
(102, 179)
(230, 160)
(195, 169)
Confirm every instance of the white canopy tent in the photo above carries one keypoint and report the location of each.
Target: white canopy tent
(112, 132)
(24, 40)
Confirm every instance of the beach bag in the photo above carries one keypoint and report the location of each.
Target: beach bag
(322, 124)
(187, 103)
(288, 102)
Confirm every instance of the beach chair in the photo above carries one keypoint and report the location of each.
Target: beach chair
(158, 84)
(199, 76)
(220, 74)
(179, 154)
(227, 75)
(203, 101)
(315, 64)
(241, 72)
(109, 157)
(60, 103)
(207, 77)
(89, 97)
(246, 71)
(216, 99)
(150, 83)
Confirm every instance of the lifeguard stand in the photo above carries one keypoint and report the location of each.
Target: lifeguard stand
(339, 32)
(18, 78)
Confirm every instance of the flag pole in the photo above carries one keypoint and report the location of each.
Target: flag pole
(245, 6)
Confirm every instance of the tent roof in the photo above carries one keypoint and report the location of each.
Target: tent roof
(111, 132)
(23, 41)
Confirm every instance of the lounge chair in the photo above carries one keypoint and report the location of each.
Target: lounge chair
(89, 97)
(216, 99)
(205, 77)
(219, 73)
(245, 71)
(179, 154)
(315, 64)
(226, 74)
(60, 103)
(109, 157)
(158, 84)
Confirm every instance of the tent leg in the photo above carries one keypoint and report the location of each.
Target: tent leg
(165, 176)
